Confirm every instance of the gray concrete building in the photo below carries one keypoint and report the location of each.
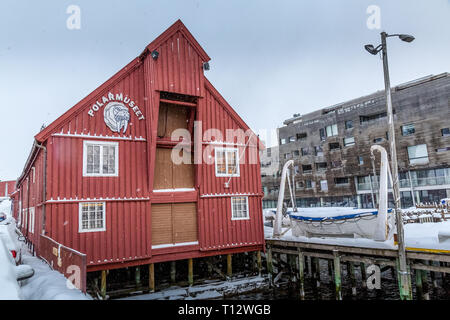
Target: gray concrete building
(331, 147)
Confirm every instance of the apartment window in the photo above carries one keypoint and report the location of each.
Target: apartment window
(336, 164)
(308, 184)
(332, 130)
(301, 136)
(443, 149)
(418, 154)
(408, 129)
(269, 152)
(92, 216)
(350, 141)
(304, 151)
(341, 181)
(306, 168)
(100, 158)
(321, 166)
(239, 208)
(299, 184)
(287, 156)
(296, 153)
(323, 134)
(227, 162)
(373, 117)
(378, 140)
(292, 139)
(323, 185)
(31, 221)
(283, 141)
(334, 146)
(348, 124)
(318, 151)
(296, 169)
(445, 132)
(360, 160)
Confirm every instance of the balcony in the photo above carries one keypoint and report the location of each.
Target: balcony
(404, 183)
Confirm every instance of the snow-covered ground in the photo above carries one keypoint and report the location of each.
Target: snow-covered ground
(417, 235)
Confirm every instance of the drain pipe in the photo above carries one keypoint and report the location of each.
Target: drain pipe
(380, 233)
(44, 186)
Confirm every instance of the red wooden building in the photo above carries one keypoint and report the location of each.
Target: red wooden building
(6, 188)
(100, 179)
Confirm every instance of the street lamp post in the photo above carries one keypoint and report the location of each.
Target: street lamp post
(403, 273)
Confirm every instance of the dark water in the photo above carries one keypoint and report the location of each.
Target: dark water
(326, 290)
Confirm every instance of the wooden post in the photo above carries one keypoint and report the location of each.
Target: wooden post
(337, 275)
(317, 271)
(330, 268)
(269, 264)
(137, 276)
(190, 271)
(426, 293)
(292, 267)
(419, 289)
(301, 273)
(258, 261)
(173, 272)
(151, 277)
(229, 266)
(103, 284)
(351, 274)
(433, 275)
(363, 274)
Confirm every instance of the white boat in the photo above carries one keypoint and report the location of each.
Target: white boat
(377, 224)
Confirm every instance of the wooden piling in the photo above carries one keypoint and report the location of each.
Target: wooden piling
(351, 274)
(419, 289)
(103, 284)
(269, 264)
(301, 273)
(173, 272)
(330, 268)
(363, 274)
(426, 289)
(317, 271)
(229, 266)
(151, 277)
(190, 271)
(258, 261)
(137, 276)
(337, 274)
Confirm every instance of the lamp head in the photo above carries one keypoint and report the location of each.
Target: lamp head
(371, 49)
(406, 37)
(155, 54)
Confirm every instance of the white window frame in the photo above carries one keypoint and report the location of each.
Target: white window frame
(322, 184)
(333, 131)
(347, 144)
(226, 150)
(232, 210)
(101, 144)
(31, 220)
(80, 217)
(418, 160)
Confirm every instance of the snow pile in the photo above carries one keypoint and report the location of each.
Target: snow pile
(9, 288)
(47, 284)
(5, 206)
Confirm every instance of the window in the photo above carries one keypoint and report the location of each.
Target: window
(287, 156)
(378, 140)
(360, 160)
(321, 166)
(306, 168)
(296, 153)
(408, 129)
(269, 152)
(341, 181)
(443, 149)
(334, 146)
(91, 216)
(304, 151)
(227, 162)
(323, 185)
(239, 208)
(296, 169)
(31, 222)
(373, 117)
(332, 130)
(445, 132)
(100, 158)
(348, 124)
(336, 164)
(418, 154)
(322, 133)
(301, 136)
(292, 139)
(308, 184)
(350, 141)
(283, 141)
(318, 151)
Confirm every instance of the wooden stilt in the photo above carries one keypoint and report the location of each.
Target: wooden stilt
(363, 274)
(317, 271)
(190, 272)
(151, 277)
(330, 268)
(301, 273)
(292, 267)
(337, 275)
(173, 272)
(103, 284)
(433, 275)
(419, 289)
(229, 266)
(351, 274)
(269, 264)
(426, 293)
(137, 276)
(258, 261)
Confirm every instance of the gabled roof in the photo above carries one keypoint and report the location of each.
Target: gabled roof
(178, 26)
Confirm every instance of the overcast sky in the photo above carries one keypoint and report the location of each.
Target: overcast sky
(269, 59)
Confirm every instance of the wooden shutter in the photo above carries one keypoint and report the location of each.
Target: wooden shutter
(184, 217)
(169, 175)
(162, 231)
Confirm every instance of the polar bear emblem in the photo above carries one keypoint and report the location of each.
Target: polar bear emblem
(116, 116)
